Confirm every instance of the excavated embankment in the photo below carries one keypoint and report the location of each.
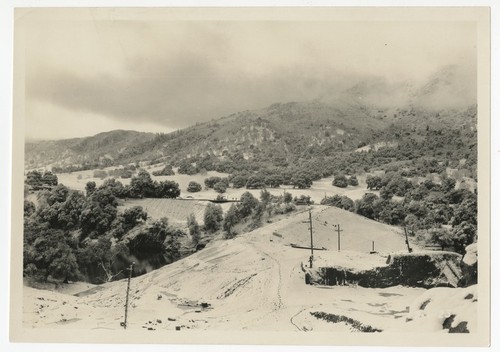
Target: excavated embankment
(423, 269)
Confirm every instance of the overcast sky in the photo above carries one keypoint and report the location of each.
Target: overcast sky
(85, 76)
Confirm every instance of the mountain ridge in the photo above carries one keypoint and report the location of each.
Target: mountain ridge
(371, 111)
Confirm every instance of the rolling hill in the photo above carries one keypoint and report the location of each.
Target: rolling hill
(371, 111)
(101, 149)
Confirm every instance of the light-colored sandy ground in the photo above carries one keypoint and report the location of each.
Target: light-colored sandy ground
(253, 282)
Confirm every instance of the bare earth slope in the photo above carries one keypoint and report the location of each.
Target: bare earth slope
(253, 282)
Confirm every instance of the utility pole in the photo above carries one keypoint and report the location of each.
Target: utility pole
(128, 289)
(338, 235)
(311, 231)
(407, 242)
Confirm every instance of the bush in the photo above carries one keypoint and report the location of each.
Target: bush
(284, 208)
(220, 187)
(166, 171)
(211, 181)
(239, 181)
(49, 179)
(301, 181)
(342, 202)
(373, 182)
(166, 189)
(231, 219)
(100, 174)
(247, 204)
(340, 181)
(194, 187)
(34, 178)
(186, 168)
(303, 200)
(256, 182)
(353, 181)
(194, 228)
(122, 173)
(287, 198)
(213, 217)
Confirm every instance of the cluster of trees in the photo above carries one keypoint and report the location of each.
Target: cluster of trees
(340, 180)
(36, 180)
(76, 236)
(392, 183)
(125, 172)
(417, 152)
(186, 167)
(141, 186)
(303, 200)
(84, 226)
(249, 213)
(342, 202)
(166, 171)
(218, 184)
(437, 213)
(271, 178)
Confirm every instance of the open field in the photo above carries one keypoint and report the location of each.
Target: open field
(176, 210)
(319, 189)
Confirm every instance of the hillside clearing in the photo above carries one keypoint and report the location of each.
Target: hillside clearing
(253, 282)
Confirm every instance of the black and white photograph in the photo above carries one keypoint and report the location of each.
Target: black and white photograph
(255, 176)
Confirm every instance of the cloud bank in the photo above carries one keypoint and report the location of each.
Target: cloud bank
(172, 74)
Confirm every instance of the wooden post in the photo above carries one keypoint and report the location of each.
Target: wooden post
(126, 299)
(338, 236)
(311, 231)
(407, 242)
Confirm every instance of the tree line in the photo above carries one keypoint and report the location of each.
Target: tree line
(439, 214)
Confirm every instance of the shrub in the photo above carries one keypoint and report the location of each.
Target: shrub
(213, 217)
(303, 200)
(340, 181)
(100, 174)
(353, 181)
(194, 228)
(166, 171)
(211, 181)
(194, 187)
(220, 187)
